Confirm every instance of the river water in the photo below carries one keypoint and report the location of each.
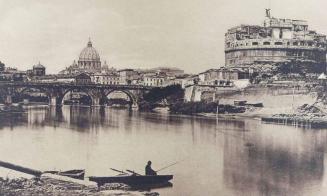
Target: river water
(219, 157)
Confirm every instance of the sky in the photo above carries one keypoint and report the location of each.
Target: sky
(187, 34)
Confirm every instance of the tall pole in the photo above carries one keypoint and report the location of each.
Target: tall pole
(217, 108)
(293, 97)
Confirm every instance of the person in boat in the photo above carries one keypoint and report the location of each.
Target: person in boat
(149, 171)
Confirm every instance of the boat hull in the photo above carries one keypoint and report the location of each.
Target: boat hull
(132, 180)
(77, 174)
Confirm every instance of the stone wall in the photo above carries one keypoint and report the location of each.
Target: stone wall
(272, 97)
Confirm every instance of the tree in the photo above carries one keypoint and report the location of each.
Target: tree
(171, 93)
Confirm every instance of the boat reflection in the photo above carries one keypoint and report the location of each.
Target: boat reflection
(150, 187)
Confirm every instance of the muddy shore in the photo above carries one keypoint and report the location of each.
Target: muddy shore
(50, 186)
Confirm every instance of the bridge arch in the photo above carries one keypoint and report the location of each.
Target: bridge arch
(129, 94)
(24, 90)
(65, 92)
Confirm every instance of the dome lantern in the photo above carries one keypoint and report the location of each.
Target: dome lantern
(89, 44)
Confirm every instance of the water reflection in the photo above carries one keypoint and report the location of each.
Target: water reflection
(275, 163)
(225, 157)
(152, 186)
(76, 118)
(13, 120)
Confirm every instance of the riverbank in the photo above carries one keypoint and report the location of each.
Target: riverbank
(307, 115)
(51, 186)
(250, 113)
(298, 120)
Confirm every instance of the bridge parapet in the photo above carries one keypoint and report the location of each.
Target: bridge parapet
(67, 85)
(98, 92)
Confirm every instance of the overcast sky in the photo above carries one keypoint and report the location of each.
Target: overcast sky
(188, 34)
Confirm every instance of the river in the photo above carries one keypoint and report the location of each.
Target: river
(217, 156)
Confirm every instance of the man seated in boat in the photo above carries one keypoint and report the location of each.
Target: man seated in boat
(149, 171)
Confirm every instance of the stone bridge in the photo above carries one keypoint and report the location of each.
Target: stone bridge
(56, 91)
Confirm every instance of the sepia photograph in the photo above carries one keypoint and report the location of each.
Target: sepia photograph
(163, 97)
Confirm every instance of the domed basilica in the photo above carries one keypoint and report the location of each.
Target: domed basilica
(89, 58)
(89, 61)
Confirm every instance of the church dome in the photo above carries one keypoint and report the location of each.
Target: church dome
(89, 59)
(89, 53)
(38, 66)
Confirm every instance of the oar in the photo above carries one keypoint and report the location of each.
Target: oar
(116, 170)
(133, 172)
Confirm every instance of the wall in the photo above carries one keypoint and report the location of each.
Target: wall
(275, 33)
(287, 34)
(199, 93)
(313, 61)
(275, 99)
(281, 99)
(192, 93)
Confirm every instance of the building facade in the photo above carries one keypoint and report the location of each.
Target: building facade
(224, 76)
(127, 76)
(277, 41)
(79, 78)
(154, 80)
(106, 78)
(83, 78)
(182, 80)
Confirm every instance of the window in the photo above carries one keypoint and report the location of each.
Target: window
(254, 43)
(278, 43)
(266, 43)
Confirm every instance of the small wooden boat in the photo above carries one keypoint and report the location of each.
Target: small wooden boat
(258, 105)
(240, 102)
(76, 173)
(133, 180)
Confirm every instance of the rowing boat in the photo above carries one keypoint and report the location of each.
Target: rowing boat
(132, 180)
(76, 173)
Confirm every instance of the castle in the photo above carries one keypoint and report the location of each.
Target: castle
(276, 41)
